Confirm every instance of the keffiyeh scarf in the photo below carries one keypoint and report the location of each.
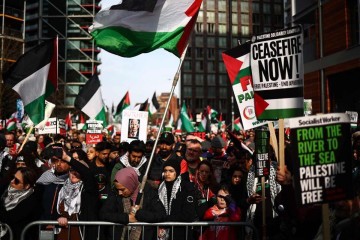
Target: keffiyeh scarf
(163, 194)
(12, 197)
(70, 194)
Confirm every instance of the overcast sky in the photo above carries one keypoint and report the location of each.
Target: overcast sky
(141, 75)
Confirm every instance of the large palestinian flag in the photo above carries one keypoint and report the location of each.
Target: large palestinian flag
(134, 27)
(90, 102)
(34, 76)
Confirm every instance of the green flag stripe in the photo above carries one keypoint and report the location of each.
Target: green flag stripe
(242, 73)
(281, 113)
(36, 109)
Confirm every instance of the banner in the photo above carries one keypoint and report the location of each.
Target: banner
(278, 74)
(134, 125)
(237, 62)
(94, 131)
(262, 148)
(322, 158)
(53, 127)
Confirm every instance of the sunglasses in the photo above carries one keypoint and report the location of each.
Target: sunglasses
(17, 181)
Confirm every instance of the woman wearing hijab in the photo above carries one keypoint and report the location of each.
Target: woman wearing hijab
(178, 199)
(19, 204)
(118, 206)
(77, 201)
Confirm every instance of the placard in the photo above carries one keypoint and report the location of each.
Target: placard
(94, 131)
(278, 74)
(134, 125)
(321, 152)
(262, 148)
(54, 126)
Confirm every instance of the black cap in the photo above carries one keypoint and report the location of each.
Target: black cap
(167, 138)
(174, 163)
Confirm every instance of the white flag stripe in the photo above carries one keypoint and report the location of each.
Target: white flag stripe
(284, 103)
(33, 85)
(94, 106)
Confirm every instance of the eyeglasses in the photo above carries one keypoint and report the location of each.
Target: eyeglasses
(17, 181)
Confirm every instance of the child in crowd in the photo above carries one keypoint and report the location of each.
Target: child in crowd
(224, 211)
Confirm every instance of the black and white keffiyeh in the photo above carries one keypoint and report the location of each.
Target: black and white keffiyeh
(70, 194)
(12, 197)
(163, 194)
(49, 177)
(125, 160)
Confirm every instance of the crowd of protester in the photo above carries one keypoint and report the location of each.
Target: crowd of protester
(61, 178)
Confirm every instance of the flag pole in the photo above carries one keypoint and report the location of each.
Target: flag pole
(175, 80)
(26, 138)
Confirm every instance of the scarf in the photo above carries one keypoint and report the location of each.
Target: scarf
(163, 195)
(12, 197)
(70, 193)
(49, 177)
(252, 181)
(135, 232)
(125, 161)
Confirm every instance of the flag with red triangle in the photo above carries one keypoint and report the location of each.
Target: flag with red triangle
(68, 121)
(237, 63)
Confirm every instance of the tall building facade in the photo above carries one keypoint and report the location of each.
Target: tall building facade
(221, 25)
(12, 15)
(78, 55)
(331, 53)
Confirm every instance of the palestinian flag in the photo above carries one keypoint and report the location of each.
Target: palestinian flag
(134, 27)
(123, 104)
(237, 124)
(34, 76)
(142, 106)
(237, 63)
(186, 124)
(154, 105)
(89, 100)
(68, 121)
(212, 113)
(11, 122)
(204, 125)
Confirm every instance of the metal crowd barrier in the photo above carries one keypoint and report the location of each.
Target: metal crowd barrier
(5, 231)
(49, 235)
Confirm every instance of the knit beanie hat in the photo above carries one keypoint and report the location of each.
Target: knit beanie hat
(128, 178)
(174, 163)
(217, 142)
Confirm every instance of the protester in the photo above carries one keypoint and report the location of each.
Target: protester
(135, 157)
(20, 203)
(166, 153)
(217, 156)
(192, 157)
(224, 211)
(178, 198)
(5, 158)
(77, 200)
(91, 153)
(119, 206)
(12, 147)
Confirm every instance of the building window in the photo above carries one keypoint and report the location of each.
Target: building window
(211, 92)
(187, 65)
(187, 79)
(222, 5)
(245, 19)
(211, 53)
(244, 7)
(187, 92)
(266, 8)
(245, 30)
(199, 91)
(234, 29)
(211, 80)
(222, 28)
(256, 18)
(234, 18)
(199, 52)
(211, 41)
(256, 7)
(222, 67)
(199, 80)
(199, 102)
(354, 22)
(210, 4)
(222, 17)
(277, 9)
(211, 28)
(69, 101)
(222, 42)
(199, 41)
(223, 92)
(267, 19)
(210, 16)
(211, 66)
(199, 65)
(223, 80)
(199, 27)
